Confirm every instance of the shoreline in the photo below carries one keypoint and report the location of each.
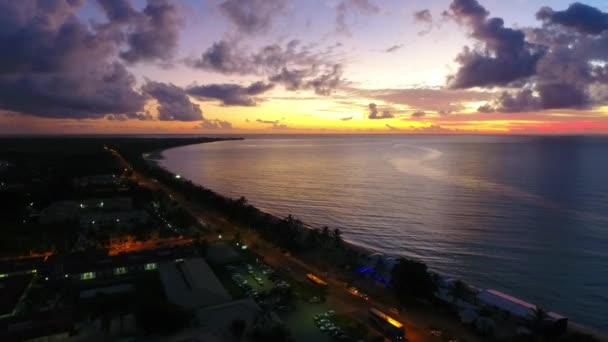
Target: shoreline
(154, 158)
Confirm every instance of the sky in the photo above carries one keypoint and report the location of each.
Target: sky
(309, 66)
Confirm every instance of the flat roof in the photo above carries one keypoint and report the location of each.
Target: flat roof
(192, 284)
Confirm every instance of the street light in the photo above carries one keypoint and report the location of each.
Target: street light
(219, 236)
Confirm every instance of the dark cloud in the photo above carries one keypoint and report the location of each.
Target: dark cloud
(345, 7)
(53, 65)
(426, 18)
(252, 16)
(486, 108)
(118, 10)
(418, 114)
(505, 55)
(173, 102)
(231, 94)
(152, 35)
(348, 118)
(423, 16)
(580, 17)
(292, 66)
(563, 95)
(394, 48)
(214, 124)
(572, 73)
(225, 57)
(375, 115)
(550, 96)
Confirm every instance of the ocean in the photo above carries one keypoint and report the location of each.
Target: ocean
(527, 215)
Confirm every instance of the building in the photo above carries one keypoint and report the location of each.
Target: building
(518, 308)
(191, 284)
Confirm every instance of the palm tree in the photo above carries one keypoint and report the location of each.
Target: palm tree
(325, 235)
(337, 235)
(538, 318)
(458, 290)
(313, 237)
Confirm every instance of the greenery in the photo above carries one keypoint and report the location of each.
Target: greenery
(412, 279)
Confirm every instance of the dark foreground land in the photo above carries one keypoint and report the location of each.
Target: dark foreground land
(91, 230)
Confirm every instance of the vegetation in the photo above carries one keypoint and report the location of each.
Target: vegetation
(412, 279)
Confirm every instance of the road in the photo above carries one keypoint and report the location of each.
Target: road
(416, 322)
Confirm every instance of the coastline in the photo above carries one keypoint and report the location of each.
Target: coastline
(154, 157)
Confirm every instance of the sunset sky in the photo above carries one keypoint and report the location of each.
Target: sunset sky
(314, 66)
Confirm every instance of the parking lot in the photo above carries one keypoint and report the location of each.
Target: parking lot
(309, 320)
(251, 278)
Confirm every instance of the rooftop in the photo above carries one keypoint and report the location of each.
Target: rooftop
(192, 284)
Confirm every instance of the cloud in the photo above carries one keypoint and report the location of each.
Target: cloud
(418, 114)
(486, 108)
(424, 17)
(55, 65)
(214, 124)
(348, 118)
(231, 94)
(428, 99)
(580, 17)
(432, 129)
(154, 33)
(279, 126)
(150, 35)
(292, 66)
(504, 56)
(173, 102)
(267, 121)
(392, 128)
(252, 16)
(374, 115)
(345, 7)
(572, 70)
(275, 124)
(394, 48)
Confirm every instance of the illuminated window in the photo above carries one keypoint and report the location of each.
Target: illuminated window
(120, 270)
(149, 267)
(87, 276)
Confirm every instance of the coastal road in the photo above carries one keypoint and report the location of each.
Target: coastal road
(416, 323)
